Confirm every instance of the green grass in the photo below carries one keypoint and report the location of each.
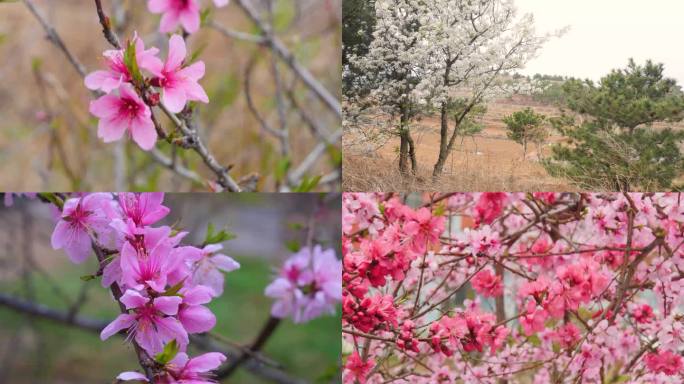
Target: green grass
(45, 350)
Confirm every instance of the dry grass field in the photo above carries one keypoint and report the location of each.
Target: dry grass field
(488, 161)
(64, 153)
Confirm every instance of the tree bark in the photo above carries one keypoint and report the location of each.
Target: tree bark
(404, 146)
(443, 144)
(412, 153)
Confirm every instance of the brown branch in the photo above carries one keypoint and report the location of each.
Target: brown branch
(263, 336)
(107, 26)
(255, 365)
(281, 50)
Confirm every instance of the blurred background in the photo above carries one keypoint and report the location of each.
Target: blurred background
(48, 140)
(36, 350)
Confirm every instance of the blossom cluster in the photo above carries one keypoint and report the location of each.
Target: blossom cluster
(125, 107)
(163, 285)
(538, 287)
(308, 285)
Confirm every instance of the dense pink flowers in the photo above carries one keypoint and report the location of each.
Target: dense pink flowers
(357, 369)
(664, 361)
(487, 283)
(308, 285)
(125, 112)
(163, 302)
(522, 288)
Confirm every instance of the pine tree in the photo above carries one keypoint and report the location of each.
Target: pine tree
(526, 127)
(617, 147)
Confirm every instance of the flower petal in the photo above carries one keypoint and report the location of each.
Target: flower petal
(123, 321)
(177, 52)
(126, 376)
(206, 362)
(112, 128)
(143, 132)
(167, 305)
(194, 71)
(105, 106)
(133, 299)
(197, 319)
(174, 98)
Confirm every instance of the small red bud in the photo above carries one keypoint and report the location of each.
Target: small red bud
(154, 98)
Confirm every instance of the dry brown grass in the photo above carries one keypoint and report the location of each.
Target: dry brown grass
(486, 162)
(370, 174)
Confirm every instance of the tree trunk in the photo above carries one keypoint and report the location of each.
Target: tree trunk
(443, 144)
(412, 153)
(404, 136)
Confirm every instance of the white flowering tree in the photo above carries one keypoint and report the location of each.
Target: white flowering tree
(474, 44)
(396, 62)
(451, 54)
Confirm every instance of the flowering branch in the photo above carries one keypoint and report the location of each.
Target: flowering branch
(593, 282)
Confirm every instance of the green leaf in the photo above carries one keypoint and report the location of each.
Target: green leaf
(87, 277)
(335, 155)
(170, 351)
(308, 184)
(295, 226)
(293, 245)
(205, 16)
(53, 198)
(534, 340)
(281, 168)
(217, 237)
(621, 379)
(196, 54)
(173, 291)
(131, 62)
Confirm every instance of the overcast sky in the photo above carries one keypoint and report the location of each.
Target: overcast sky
(604, 34)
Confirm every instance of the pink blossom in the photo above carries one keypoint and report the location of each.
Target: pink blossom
(195, 317)
(308, 285)
(151, 321)
(221, 3)
(143, 208)
(489, 206)
(370, 313)
(484, 241)
(664, 362)
(487, 284)
(183, 370)
(117, 73)
(567, 335)
(207, 270)
(178, 82)
(357, 369)
(424, 229)
(124, 113)
(643, 314)
(175, 12)
(142, 266)
(81, 218)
